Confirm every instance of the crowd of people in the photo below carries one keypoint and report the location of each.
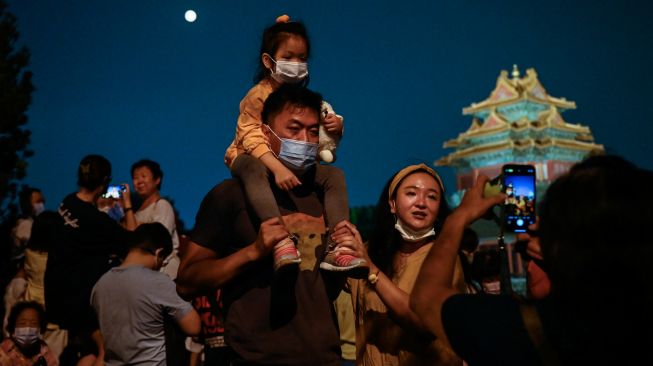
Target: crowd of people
(274, 272)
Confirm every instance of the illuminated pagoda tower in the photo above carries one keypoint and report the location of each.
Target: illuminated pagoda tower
(518, 123)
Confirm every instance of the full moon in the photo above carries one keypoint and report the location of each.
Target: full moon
(190, 16)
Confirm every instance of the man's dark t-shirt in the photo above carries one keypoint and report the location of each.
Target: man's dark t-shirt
(274, 319)
(77, 259)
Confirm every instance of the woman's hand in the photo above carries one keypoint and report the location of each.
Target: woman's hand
(348, 239)
(125, 197)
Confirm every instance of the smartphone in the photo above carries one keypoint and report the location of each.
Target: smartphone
(518, 184)
(114, 191)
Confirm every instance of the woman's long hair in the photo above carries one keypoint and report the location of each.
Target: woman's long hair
(384, 239)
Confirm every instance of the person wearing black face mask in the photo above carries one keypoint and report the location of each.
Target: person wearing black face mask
(25, 346)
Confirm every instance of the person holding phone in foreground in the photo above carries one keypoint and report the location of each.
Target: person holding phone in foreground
(599, 264)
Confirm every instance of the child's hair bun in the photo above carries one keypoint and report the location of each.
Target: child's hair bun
(283, 18)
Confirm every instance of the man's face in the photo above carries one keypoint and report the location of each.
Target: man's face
(293, 122)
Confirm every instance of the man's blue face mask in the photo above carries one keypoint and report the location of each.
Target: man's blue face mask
(300, 155)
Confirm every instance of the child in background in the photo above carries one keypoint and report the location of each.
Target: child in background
(284, 50)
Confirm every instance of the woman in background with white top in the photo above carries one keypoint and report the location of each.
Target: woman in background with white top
(147, 177)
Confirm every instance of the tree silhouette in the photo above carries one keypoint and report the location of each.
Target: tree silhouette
(15, 96)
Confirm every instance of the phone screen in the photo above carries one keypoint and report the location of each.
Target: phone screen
(519, 187)
(114, 191)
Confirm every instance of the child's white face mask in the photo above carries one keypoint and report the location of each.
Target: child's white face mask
(289, 71)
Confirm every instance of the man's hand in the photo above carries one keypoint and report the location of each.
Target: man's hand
(285, 179)
(474, 205)
(333, 123)
(270, 233)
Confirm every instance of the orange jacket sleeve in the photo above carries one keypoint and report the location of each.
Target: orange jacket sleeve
(249, 137)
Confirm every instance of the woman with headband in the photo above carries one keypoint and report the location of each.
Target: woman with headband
(408, 217)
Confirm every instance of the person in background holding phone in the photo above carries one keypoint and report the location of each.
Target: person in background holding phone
(147, 178)
(598, 258)
(88, 238)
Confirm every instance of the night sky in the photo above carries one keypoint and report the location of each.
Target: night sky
(133, 79)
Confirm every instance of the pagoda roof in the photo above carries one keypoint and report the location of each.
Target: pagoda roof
(523, 144)
(495, 123)
(511, 90)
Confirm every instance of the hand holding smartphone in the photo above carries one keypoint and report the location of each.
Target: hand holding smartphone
(114, 191)
(518, 183)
